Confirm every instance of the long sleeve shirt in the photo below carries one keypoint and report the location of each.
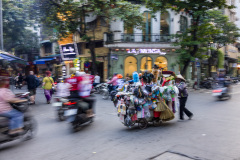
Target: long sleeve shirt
(182, 87)
(114, 81)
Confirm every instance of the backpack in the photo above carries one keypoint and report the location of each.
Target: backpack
(37, 82)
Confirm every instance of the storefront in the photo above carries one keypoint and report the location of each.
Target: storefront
(129, 60)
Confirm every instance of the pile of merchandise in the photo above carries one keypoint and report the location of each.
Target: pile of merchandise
(152, 98)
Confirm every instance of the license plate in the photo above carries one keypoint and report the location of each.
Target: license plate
(217, 94)
(70, 112)
(57, 104)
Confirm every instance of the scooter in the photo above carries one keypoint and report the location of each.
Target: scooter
(25, 95)
(78, 114)
(29, 128)
(221, 93)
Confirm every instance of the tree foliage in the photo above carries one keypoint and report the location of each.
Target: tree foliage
(69, 16)
(17, 37)
(193, 42)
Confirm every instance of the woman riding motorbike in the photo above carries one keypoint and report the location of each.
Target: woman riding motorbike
(16, 117)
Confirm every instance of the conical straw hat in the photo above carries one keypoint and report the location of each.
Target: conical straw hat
(180, 77)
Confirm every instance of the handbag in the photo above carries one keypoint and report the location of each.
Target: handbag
(52, 89)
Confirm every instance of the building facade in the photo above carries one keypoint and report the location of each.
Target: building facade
(132, 49)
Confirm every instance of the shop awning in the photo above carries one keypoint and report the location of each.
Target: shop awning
(42, 61)
(12, 58)
(45, 41)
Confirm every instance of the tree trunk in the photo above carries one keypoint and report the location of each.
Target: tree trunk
(184, 69)
(93, 56)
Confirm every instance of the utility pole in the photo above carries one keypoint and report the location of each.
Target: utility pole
(1, 26)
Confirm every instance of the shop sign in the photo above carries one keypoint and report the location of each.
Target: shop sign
(234, 65)
(149, 51)
(100, 59)
(69, 51)
(114, 56)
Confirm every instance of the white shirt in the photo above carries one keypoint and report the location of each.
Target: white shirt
(97, 79)
(63, 89)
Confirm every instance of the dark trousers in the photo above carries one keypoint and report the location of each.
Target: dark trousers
(183, 109)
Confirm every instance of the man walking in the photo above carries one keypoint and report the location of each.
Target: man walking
(32, 83)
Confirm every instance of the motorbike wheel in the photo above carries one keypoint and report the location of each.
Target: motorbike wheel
(142, 123)
(105, 95)
(61, 116)
(31, 130)
(157, 122)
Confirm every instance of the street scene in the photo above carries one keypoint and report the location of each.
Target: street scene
(211, 134)
(119, 79)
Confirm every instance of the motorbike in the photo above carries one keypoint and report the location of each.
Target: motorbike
(107, 93)
(29, 128)
(206, 83)
(18, 86)
(78, 113)
(222, 91)
(25, 95)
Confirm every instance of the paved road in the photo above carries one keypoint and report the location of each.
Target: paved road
(212, 134)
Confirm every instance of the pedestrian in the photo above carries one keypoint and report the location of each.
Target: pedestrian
(47, 85)
(32, 83)
(183, 95)
(96, 80)
(15, 117)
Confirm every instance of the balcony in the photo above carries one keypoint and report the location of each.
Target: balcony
(137, 38)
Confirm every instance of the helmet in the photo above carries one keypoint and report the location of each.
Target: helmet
(119, 76)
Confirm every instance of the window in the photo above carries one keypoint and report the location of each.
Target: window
(183, 24)
(147, 28)
(130, 65)
(165, 24)
(146, 64)
(98, 44)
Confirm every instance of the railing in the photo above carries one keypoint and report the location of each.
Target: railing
(138, 37)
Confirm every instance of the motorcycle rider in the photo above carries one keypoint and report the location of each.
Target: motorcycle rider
(85, 84)
(15, 117)
(73, 80)
(113, 82)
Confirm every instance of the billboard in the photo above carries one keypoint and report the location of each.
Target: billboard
(69, 51)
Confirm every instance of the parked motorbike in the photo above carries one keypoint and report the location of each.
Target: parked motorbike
(29, 128)
(78, 113)
(206, 83)
(18, 86)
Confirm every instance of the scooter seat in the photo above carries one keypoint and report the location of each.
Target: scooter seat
(73, 99)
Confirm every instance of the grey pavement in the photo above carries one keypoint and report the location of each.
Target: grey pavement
(212, 134)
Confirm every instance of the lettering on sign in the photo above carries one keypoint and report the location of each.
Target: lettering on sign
(153, 51)
(69, 51)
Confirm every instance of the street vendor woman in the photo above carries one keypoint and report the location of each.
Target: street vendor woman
(183, 95)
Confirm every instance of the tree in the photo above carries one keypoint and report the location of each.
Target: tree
(69, 16)
(195, 36)
(227, 34)
(17, 38)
